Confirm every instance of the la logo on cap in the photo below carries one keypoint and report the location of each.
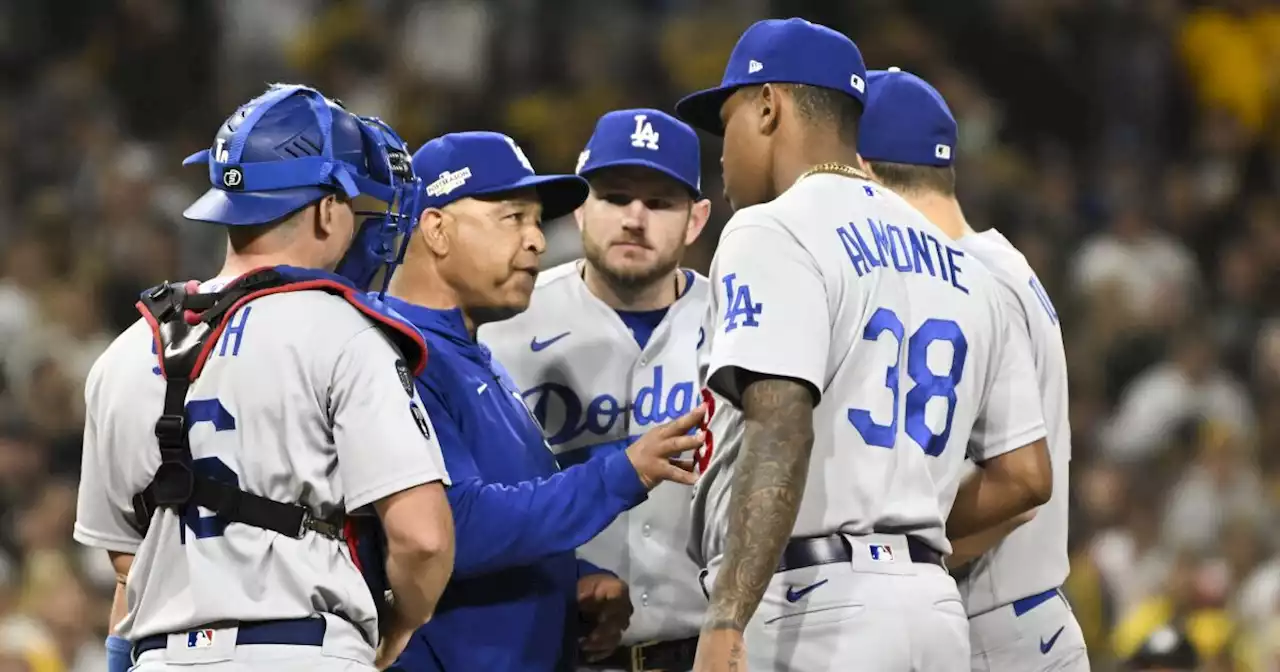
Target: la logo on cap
(644, 136)
(520, 156)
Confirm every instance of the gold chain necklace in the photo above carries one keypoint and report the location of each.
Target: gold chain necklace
(834, 168)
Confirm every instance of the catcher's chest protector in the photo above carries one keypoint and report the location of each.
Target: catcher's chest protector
(186, 325)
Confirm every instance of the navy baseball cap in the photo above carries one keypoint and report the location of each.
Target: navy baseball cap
(283, 151)
(478, 163)
(790, 51)
(648, 138)
(906, 121)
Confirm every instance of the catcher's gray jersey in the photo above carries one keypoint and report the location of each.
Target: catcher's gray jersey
(301, 401)
(1034, 557)
(594, 388)
(839, 283)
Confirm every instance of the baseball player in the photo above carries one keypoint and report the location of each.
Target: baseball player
(853, 346)
(1019, 619)
(219, 473)
(612, 346)
(520, 598)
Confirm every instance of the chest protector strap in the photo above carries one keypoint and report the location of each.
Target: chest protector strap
(186, 325)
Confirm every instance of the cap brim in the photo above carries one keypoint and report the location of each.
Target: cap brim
(235, 208)
(559, 194)
(701, 110)
(652, 165)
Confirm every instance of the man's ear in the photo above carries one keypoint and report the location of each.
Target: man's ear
(698, 217)
(768, 108)
(433, 231)
(326, 212)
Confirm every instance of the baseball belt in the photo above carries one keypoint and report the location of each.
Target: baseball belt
(292, 632)
(672, 656)
(811, 551)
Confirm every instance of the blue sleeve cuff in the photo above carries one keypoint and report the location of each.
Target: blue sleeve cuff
(586, 568)
(119, 654)
(621, 478)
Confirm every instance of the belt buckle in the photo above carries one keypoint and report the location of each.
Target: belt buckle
(324, 528)
(304, 525)
(637, 658)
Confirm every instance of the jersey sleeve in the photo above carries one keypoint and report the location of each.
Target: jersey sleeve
(499, 526)
(104, 516)
(1013, 413)
(769, 311)
(383, 436)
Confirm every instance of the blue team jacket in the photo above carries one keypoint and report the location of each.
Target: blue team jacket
(511, 605)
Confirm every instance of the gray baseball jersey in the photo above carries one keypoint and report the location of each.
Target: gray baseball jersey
(1033, 558)
(839, 283)
(594, 388)
(301, 401)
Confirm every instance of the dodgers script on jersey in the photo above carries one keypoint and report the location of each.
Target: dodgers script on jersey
(302, 400)
(593, 389)
(839, 283)
(1033, 558)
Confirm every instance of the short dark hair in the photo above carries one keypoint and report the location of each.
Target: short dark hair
(829, 106)
(825, 106)
(910, 177)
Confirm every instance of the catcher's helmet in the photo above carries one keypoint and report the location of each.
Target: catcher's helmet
(291, 147)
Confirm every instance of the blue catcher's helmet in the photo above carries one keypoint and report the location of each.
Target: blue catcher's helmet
(291, 147)
(374, 246)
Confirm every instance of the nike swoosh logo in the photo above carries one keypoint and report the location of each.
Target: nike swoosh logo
(538, 346)
(1045, 646)
(794, 595)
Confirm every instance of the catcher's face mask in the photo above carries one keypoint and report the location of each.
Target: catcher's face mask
(392, 181)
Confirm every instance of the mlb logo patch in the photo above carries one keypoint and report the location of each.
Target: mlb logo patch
(199, 639)
(942, 151)
(881, 553)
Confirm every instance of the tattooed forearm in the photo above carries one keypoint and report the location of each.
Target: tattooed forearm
(767, 486)
(737, 657)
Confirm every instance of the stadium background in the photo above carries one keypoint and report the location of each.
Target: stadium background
(1130, 147)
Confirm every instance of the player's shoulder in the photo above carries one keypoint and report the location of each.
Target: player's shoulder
(997, 252)
(765, 225)
(315, 314)
(129, 358)
(557, 277)
(1005, 262)
(125, 348)
(554, 287)
(768, 215)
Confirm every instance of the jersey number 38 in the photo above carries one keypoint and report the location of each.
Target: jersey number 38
(926, 384)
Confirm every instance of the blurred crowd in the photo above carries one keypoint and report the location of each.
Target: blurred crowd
(1130, 147)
